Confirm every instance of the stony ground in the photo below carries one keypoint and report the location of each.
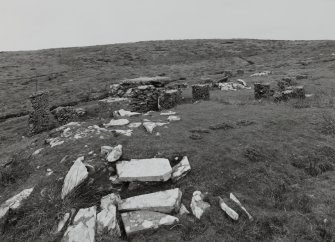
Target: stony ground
(278, 158)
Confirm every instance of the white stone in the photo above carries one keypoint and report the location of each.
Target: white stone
(83, 228)
(104, 150)
(173, 118)
(183, 210)
(134, 125)
(63, 221)
(181, 169)
(230, 212)
(155, 169)
(124, 113)
(14, 202)
(242, 82)
(140, 221)
(37, 151)
(115, 154)
(168, 113)
(106, 219)
(127, 132)
(117, 122)
(76, 175)
(198, 206)
(232, 197)
(165, 202)
(264, 73)
(150, 126)
(55, 141)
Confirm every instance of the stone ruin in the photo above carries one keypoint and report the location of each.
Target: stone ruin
(262, 90)
(144, 93)
(40, 119)
(68, 114)
(200, 92)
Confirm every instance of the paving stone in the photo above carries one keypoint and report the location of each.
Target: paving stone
(155, 169)
(141, 221)
(83, 227)
(164, 201)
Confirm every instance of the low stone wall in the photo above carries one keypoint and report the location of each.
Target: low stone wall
(108, 106)
(169, 99)
(144, 98)
(200, 92)
(68, 114)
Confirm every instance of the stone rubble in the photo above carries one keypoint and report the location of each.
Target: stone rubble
(230, 212)
(155, 169)
(106, 219)
(198, 206)
(164, 201)
(83, 227)
(76, 175)
(183, 210)
(104, 150)
(150, 126)
(115, 154)
(181, 169)
(168, 113)
(134, 125)
(173, 118)
(232, 197)
(124, 113)
(140, 221)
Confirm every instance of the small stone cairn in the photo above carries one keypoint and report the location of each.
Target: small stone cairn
(200, 92)
(41, 118)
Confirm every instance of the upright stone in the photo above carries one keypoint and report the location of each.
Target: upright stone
(40, 119)
(200, 92)
(169, 99)
(262, 90)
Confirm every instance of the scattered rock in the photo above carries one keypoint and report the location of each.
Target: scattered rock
(105, 150)
(115, 154)
(183, 210)
(83, 227)
(106, 219)
(140, 221)
(181, 169)
(198, 206)
(117, 122)
(173, 118)
(155, 169)
(134, 125)
(76, 175)
(230, 212)
(108, 106)
(127, 132)
(165, 202)
(232, 197)
(168, 113)
(13, 203)
(150, 126)
(124, 113)
(54, 141)
(37, 151)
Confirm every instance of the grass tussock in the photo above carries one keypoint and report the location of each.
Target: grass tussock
(328, 124)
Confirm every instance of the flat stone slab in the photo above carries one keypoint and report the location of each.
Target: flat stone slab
(165, 202)
(155, 169)
(141, 221)
(83, 227)
(76, 175)
(106, 219)
(117, 122)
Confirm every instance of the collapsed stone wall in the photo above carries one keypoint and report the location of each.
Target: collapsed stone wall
(68, 114)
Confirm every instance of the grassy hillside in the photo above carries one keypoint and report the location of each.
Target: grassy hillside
(280, 163)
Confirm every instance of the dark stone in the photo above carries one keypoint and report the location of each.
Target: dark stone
(262, 90)
(200, 92)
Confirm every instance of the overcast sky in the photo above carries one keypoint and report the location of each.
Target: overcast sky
(39, 24)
